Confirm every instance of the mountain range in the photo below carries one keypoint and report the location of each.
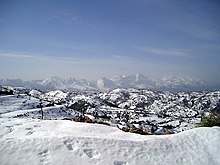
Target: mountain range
(138, 81)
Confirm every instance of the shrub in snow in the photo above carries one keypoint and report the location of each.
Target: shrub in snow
(213, 119)
(80, 106)
(83, 118)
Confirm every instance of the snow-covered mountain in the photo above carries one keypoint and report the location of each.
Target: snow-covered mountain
(105, 84)
(138, 81)
(55, 82)
(52, 83)
(134, 81)
(181, 84)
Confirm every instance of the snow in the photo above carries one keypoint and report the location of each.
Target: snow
(29, 141)
(55, 96)
(49, 112)
(35, 93)
(125, 81)
(10, 103)
(146, 108)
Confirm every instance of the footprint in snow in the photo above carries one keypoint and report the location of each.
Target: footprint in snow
(29, 128)
(91, 153)
(29, 132)
(120, 163)
(70, 145)
(18, 124)
(11, 129)
(43, 155)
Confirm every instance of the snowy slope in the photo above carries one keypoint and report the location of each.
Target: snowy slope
(11, 103)
(28, 141)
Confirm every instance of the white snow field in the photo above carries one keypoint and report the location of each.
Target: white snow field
(62, 142)
(28, 141)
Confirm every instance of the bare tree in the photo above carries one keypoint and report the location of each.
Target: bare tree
(41, 108)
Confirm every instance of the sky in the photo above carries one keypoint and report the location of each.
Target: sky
(102, 38)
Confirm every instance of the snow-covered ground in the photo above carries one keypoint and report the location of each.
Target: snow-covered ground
(33, 141)
(30, 140)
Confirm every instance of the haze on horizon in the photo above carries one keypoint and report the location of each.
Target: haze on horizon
(95, 38)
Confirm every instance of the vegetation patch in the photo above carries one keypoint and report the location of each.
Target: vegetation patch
(213, 119)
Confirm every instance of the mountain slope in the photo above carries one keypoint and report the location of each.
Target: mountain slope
(138, 81)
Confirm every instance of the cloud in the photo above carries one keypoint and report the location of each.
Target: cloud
(33, 66)
(197, 24)
(39, 58)
(169, 52)
(211, 46)
(67, 60)
(67, 18)
(15, 55)
(126, 59)
(201, 32)
(77, 47)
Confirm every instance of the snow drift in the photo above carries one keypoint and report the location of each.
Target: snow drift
(29, 141)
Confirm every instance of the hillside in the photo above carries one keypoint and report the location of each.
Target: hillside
(143, 111)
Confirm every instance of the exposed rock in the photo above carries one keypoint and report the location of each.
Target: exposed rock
(83, 118)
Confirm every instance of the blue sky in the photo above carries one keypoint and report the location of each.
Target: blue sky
(101, 38)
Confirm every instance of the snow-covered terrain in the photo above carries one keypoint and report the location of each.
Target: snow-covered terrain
(143, 111)
(27, 139)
